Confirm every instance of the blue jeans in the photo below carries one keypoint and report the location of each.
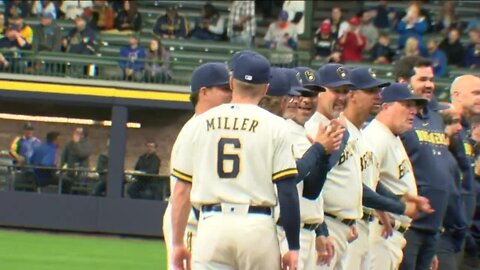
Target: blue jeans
(420, 250)
(242, 39)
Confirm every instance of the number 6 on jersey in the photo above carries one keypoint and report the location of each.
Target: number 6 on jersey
(228, 163)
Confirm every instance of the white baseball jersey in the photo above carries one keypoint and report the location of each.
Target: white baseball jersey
(394, 167)
(311, 211)
(342, 192)
(232, 154)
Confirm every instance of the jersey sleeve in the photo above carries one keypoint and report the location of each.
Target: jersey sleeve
(283, 160)
(182, 159)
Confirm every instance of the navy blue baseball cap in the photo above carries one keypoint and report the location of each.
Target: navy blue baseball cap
(365, 78)
(234, 59)
(334, 75)
(310, 78)
(296, 82)
(280, 83)
(208, 75)
(400, 92)
(251, 68)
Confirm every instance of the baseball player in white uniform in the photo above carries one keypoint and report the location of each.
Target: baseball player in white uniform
(209, 88)
(344, 178)
(230, 161)
(398, 110)
(363, 102)
(285, 82)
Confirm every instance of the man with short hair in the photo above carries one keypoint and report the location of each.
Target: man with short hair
(22, 147)
(45, 156)
(465, 95)
(148, 163)
(250, 149)
(133, 56)
(398, 108)
(209, 88)
(426, 147)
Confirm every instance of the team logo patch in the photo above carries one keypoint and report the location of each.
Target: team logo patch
(372, 72)
(248, 77)
(310, 75)
(342, 72)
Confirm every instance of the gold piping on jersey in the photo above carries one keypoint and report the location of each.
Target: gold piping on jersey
(182, 176)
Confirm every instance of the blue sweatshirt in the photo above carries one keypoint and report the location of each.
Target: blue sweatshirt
(439, 63)
(426, 145)
(135, 58)
(44, 156)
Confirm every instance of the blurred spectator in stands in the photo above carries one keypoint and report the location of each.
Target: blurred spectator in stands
(101, 15)
(171, 25)
(353, 41)
(41, 7)
(12, 42)
(447, 18)
(368, 29)
(472, 52)
(22, 147)
(70, 9)
(48, 36)
(157, 65)
(2, 25)
(472, 24)
(45, 155)
(149, 163)
(210, 26)
(100, 187)
(281, 34)
(413, 24)
(81, 39)
(75, 156)
(336, 56)
(338, 24)
(384, 15)
(241, 23)
(324, 40)
(453, 48)
(133, 60)
(438, 58)
(382, 53)
(411, 48)
(25, 30)
(17, 8)
(128, 19)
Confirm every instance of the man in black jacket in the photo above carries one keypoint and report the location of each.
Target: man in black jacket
(148, 163)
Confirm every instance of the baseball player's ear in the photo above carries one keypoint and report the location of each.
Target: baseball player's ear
(231, 82)
(402, 80)
(265, 89)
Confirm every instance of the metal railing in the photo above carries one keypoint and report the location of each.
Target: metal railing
(80, 181)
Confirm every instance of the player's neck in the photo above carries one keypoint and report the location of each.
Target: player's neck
(201, 108)
(386, 121)
(357, 117)
(239, 99)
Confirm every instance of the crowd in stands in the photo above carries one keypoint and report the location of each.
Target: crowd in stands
(338, 39)
(40, 164)
(361, 38)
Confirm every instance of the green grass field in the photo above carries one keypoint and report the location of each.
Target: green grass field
(41, 251)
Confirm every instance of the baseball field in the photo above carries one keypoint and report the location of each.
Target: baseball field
(20, 250)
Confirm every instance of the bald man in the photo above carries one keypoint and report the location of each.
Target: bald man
(465, 95)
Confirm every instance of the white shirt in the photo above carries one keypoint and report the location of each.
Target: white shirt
(311, 211)
(394, 168)
(342, 192)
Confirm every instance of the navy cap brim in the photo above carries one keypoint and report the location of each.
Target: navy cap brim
(374, 84)
(314, 87)
(293, 93)
(339, 84)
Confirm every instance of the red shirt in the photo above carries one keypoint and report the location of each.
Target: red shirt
(351, 50)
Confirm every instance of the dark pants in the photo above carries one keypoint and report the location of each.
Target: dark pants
(141, 190)
(420, 250)
(447, 256)
(100, 188)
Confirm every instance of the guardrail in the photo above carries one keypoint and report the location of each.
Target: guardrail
(82, 181)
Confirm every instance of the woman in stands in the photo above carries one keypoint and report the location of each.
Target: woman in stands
(128, 19)
(210, 26)
(157, 67)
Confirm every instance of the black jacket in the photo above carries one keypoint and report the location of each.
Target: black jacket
(455, 52)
